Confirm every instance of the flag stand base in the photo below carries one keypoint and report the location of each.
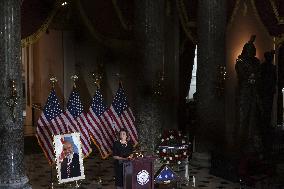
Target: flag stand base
(51, 177)
(76, 184)
(69, 185)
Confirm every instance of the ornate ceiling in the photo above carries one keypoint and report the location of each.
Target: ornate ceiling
(113, 19)
(271, 13)
(35, 17)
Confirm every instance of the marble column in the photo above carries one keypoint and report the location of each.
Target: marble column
(210, 94)
(12, 171)
(149, 33)
(171, 66)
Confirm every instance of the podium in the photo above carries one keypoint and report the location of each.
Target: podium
(139, 173)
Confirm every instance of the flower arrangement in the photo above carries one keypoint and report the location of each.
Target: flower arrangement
(173, 147)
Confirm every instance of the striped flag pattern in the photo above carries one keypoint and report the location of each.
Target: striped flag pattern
(122, 115)
(100, 127)
(76, 120)
(50, 123)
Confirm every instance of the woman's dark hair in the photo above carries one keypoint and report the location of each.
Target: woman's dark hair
(123, 130)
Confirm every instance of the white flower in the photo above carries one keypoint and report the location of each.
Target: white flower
(162, 140)
(183, 141)
(170, 158)
(158, 151)
(167, 162)
(176, 155)
(164, 150)
(168, 139)
(165, 158)
(184, 153)
(179, 162)
(171, 137)
(179, 134)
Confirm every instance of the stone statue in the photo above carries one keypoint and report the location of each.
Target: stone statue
(267, 90)
(248, 73)
(268, 79)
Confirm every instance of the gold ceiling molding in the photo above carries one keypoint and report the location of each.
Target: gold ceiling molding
(108, 42)
(186, 24)
(280, 19)
(120, 16)
(278, 39)
(235, 10)
(258, 17)
(37, 35)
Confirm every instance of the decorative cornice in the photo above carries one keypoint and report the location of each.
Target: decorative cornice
(235, 10)
(36, 36)
(258, 17)
(120, 16)
(108, 42)
(186, 25)
(280, 19)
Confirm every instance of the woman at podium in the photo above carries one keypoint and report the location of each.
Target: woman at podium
(122, 151)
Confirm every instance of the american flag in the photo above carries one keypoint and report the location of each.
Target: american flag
(122, 115)
(100, 127)
(165, 174)
(76, 120)
(50, 123)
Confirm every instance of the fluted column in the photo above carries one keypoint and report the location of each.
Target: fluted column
(149, 33)
(211, 55)
(12, 171)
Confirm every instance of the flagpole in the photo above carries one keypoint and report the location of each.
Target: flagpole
(53, 80)
(119, 79)
(74, 78)
(98, 78)
(51, 177)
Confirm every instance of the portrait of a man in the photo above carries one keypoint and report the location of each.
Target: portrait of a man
(70, 165)
(69, 157)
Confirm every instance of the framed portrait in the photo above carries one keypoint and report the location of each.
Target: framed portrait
(68, 157)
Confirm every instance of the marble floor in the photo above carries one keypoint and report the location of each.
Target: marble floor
(40, 176)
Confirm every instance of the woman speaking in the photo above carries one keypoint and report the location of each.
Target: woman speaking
(122, 151)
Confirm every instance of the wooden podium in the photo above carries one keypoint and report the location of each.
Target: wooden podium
(139, 173)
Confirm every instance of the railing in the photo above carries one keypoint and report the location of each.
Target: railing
(35, 107)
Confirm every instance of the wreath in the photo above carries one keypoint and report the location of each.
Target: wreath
(173, 147)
